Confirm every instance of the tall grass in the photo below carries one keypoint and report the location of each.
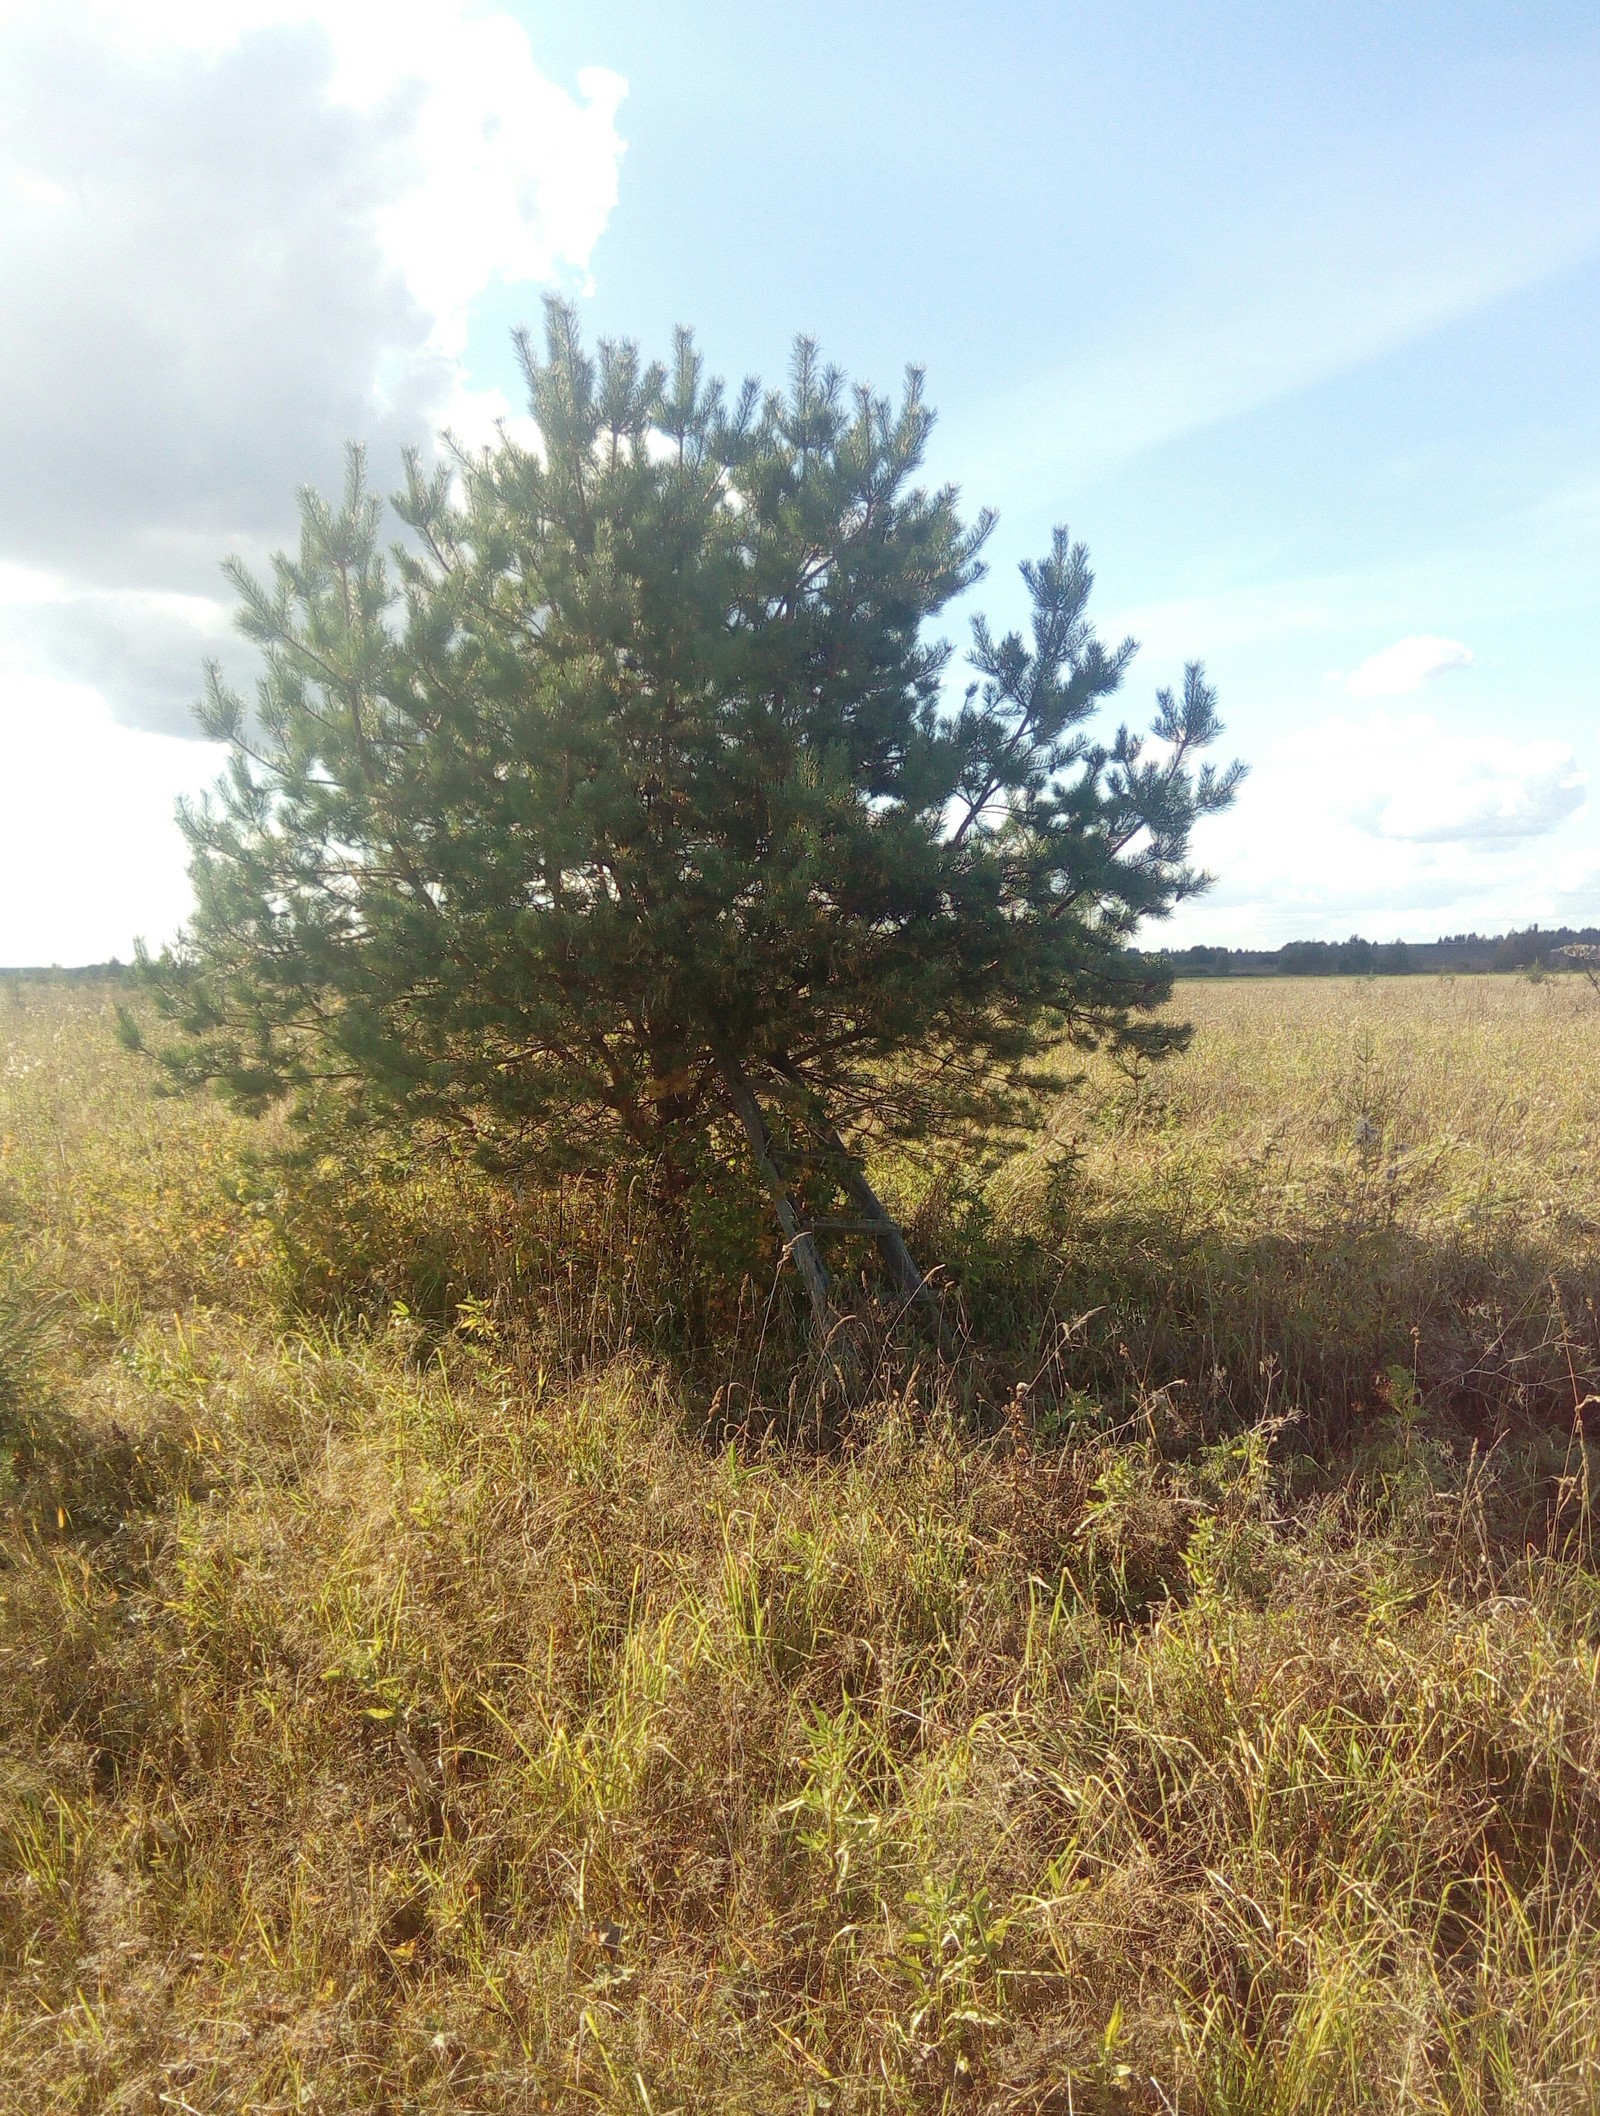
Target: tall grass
(435, 1675)
(1341, 1177)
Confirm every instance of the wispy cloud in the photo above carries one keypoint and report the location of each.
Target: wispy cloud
(1401, 671)
(1361, 240)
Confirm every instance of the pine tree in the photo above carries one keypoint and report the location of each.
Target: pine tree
(621, 798)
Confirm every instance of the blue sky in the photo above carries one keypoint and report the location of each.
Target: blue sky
(1293, 314)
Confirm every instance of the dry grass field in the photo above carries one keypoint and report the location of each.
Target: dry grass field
(433, 1676)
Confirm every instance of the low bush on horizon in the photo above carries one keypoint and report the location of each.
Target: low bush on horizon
(453, 1658)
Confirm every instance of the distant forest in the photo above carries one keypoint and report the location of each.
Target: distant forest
(1531, 947)
(1528, 948)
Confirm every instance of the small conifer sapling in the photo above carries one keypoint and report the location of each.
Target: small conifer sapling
(622, 799)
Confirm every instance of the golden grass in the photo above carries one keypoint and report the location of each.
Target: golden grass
(452, 1711)
(1342, 1175)
(1467, 1103)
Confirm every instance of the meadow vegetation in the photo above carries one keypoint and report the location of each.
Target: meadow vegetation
(454, 1656)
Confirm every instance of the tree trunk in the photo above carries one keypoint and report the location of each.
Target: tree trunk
(886, 1233)
(801, 1243)
(902, 1265)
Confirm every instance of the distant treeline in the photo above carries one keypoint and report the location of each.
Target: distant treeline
(1355, 957)
(75, 973)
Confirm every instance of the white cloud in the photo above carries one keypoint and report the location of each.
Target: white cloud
(90, 854)
(235, 233)
(141, 648)
(1401, 670)
(1391, 826)
(1435, 788)
(505, 173)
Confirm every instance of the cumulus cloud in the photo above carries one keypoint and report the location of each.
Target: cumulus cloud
(1393, 825)
(90, 854)
(145, 650)
(1438, 789)
(233, 234)
(1401, 670)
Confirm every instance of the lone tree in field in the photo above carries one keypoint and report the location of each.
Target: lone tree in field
(622, 799)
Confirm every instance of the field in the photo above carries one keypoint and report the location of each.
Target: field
(435, 1675)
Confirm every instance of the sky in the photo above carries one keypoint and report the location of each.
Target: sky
(1292, 314)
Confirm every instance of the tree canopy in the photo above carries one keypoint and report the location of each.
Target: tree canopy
(624, 795)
